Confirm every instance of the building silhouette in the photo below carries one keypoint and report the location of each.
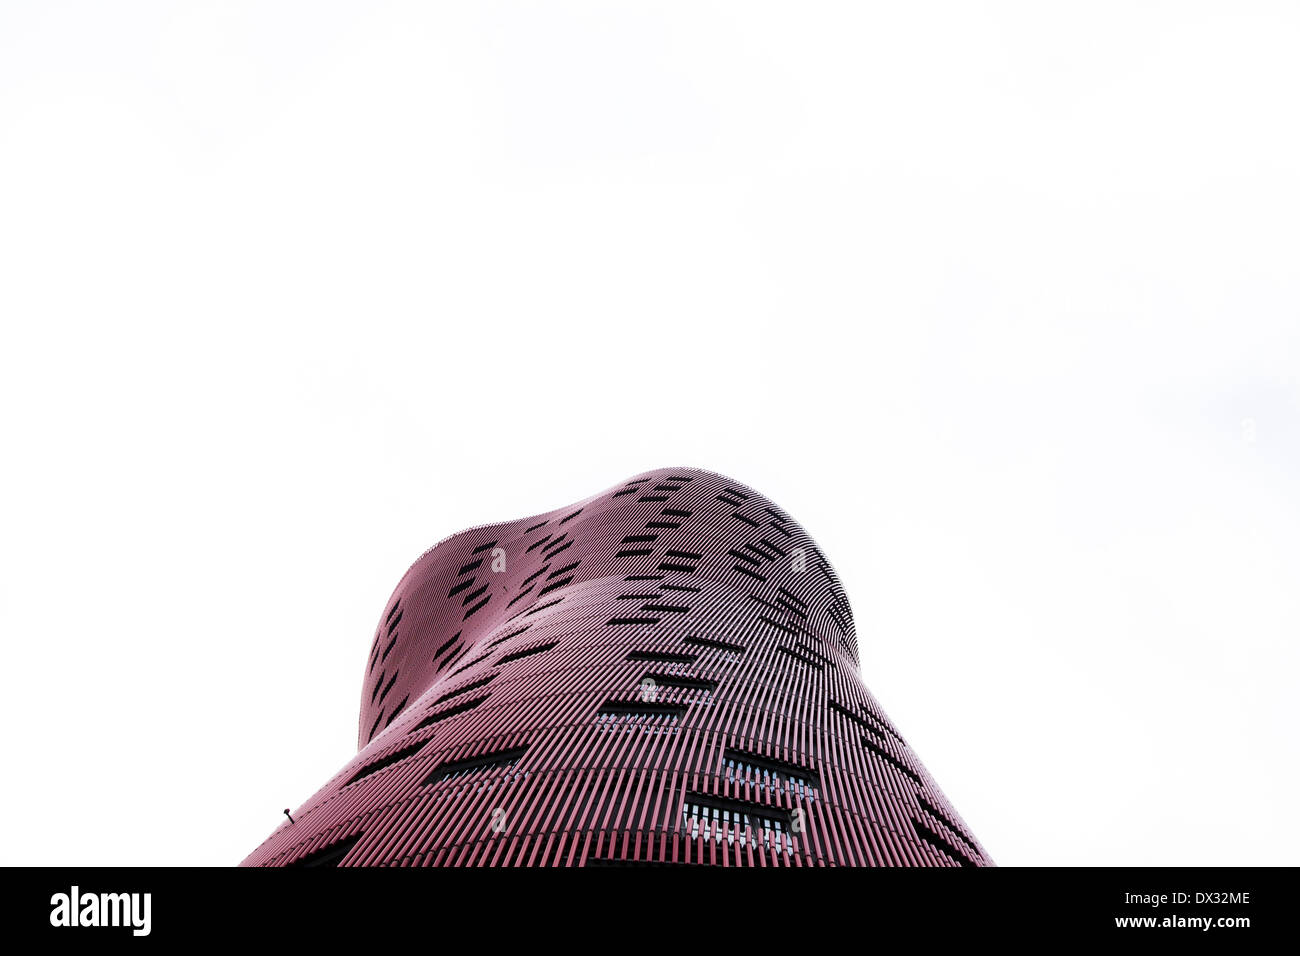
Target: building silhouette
(664, 673)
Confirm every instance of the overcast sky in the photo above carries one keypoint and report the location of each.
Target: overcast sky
(1000, 301)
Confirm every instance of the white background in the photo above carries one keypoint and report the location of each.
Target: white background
(1000, 301)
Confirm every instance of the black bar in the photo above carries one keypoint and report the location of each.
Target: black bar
(868, 907)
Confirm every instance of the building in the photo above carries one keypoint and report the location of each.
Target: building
(664, 673)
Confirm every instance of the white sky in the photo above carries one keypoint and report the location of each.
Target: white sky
(1000, 301)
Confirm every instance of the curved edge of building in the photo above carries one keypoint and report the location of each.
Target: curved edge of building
(663, 673)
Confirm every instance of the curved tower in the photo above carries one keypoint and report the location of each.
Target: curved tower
(664, 673)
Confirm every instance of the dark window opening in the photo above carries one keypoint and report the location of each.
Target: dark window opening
(686, 683)
(568, 567)
(505, 637)
(500, 760)
(940, 815)
(542, 607)
(397, 710)
(714, 642)
(717, 818)
(893, 761)
(939, 843)
(470, 613)
(526, 652)
(769, 772)
(802, 658)
(386, 761)
(448, 713)
(466, 689)
(664, 657)
(468, 664)
(331, 855)
(639, 712)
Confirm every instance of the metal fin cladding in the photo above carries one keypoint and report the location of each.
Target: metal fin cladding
(665, 673)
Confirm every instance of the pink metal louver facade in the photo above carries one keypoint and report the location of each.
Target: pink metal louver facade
(663, 673)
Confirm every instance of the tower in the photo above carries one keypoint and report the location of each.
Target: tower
(664, 673)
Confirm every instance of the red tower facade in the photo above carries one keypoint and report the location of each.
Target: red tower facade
(664, 673)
